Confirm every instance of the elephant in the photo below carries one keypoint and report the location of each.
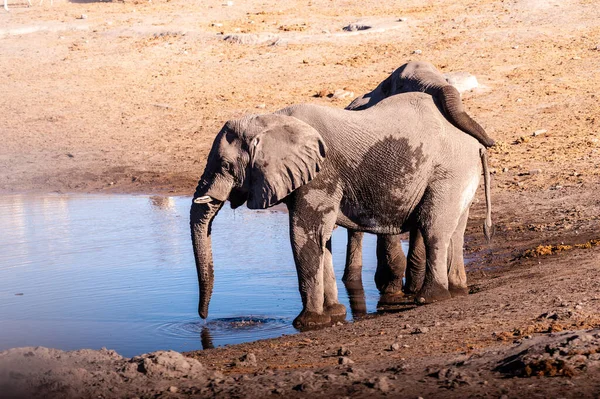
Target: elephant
(325, 164)
(414, 76)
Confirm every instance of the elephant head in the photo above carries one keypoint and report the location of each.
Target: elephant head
(258, 160)
(422, 76)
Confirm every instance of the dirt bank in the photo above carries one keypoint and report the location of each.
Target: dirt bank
(127, 97)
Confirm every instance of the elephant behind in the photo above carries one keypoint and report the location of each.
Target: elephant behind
(414, 76)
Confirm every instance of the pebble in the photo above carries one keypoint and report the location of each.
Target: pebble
(539, 132)
(173, 389)
(535, 171)
(417, 52)
(341, 94)
(403, 19)
(382, 384)
(504, 170)
(217, 24)
(82, 16)
(228, 4)
(261, 106)
(420, 330)
(345, 360)
(356, 26)
(395, 346)
(343, 351)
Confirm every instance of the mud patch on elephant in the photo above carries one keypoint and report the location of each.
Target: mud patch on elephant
(388, 183)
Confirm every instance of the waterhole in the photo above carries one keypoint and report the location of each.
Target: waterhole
(117, 271)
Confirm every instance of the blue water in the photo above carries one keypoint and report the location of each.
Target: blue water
(116, 271)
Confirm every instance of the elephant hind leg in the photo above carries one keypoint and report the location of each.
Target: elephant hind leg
(438, 220)
(391, 264)
(457, 276)
(353, 267)
(415, 268)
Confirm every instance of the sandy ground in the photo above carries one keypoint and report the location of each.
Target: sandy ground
(127, 97)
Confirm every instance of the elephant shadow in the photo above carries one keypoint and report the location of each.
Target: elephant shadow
(386, 304)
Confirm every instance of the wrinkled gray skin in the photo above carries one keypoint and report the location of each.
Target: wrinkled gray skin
(326, 165)
(414, 76)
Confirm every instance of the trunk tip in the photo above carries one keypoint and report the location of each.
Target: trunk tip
(203, 311)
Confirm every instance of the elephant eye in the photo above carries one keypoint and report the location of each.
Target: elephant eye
(226, 166)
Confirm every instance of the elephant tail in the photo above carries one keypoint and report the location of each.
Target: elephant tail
(488, 227)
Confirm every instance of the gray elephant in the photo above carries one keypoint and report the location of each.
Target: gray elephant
(381, 170)
(414, 76)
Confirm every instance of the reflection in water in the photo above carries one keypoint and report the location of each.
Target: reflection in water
(206, 338)
(118, 271)
(356, 296)
(165, 203)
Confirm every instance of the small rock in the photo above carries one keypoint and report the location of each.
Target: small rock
(420, 330)
(504, 170)
(261, 106)
(173, 389)
(535, 171)
(578, 307)
(356, 26)
(395, 346)
(82, 16)
(345, 360)
(228, 4)
(417, 52)
(539, 132)
(515, 47)
(402, 19)
(341, 94)
(382, 383)
(217, 24)
(248, 359)
(343, 351)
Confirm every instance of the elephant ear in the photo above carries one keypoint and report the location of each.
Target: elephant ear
(287, 155)
(387, 86)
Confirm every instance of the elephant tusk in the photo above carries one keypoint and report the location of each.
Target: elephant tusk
(203, 200)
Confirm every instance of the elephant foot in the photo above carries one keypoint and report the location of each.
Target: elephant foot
(412, 287)
(394, 298)
(394, 287)
(308, 319)
(336, 310)
(432, 293)
(456, 291)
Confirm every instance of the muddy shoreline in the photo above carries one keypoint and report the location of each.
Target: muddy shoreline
(126, 97)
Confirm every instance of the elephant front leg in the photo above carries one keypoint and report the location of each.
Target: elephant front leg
(331, 306)
(310, 232)
(415, 269)
(353, 268)
(391, 264)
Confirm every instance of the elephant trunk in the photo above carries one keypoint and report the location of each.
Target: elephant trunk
(203, 211)
(450, 98)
